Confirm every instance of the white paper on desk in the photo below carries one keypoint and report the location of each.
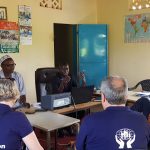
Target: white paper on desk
(37, 105)
(97, 100)
(98, 92)
(141, 94)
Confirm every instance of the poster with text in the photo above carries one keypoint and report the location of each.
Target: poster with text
(9, 37)
(25, 25)
(25, 35)
(25, 15)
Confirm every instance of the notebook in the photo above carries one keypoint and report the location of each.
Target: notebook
(82, 94)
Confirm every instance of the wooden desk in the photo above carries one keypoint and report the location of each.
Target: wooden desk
(78, 107)
(49, 121)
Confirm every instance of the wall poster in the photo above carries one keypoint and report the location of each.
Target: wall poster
(3, 13)
(25, 25)
(137, 28)
(9, 37)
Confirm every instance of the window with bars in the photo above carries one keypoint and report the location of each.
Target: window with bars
(55, 4)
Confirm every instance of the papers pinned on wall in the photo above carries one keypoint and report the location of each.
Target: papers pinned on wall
(25, 23)
(9, 37)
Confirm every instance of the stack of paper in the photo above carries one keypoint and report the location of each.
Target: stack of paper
(141, 94)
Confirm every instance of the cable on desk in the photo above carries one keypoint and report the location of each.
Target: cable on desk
(74, 105)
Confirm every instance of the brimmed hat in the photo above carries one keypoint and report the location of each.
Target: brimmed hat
(2, 59)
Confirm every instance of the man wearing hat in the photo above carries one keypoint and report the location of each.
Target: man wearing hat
(8, 66)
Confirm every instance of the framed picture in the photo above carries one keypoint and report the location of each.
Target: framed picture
(3, 13)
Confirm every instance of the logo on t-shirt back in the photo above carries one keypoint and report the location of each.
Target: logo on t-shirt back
(125, 137)
(2, 146)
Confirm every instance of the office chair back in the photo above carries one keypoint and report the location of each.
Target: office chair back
(145, 84)
(43, 76)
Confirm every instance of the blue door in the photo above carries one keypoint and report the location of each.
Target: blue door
(93, 52)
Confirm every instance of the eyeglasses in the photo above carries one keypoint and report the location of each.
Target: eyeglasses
(10, 65)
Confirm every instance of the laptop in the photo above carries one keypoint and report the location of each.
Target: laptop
(82, 94)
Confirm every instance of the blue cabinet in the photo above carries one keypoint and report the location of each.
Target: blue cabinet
(93, 52)
(85, 47)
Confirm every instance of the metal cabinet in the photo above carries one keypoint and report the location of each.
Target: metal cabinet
(85, 48)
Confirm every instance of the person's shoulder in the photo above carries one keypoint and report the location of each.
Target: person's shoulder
(1, 72)
(94, 116)
(20, 123)
(17, 114)
(137, 114)
(132, 112)
(15, 73)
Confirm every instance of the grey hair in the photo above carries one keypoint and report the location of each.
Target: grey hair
(113, 93)
(8, 90)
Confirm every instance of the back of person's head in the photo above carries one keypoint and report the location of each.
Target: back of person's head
(8, 90)
(115, 90)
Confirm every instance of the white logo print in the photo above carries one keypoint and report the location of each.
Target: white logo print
(125, 137)
(2, 146)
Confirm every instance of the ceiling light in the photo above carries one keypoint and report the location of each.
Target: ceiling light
(138, 4)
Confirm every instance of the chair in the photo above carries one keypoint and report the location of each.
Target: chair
(145, 84)
(43, 76)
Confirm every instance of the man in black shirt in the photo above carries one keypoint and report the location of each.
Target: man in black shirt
(63, 81)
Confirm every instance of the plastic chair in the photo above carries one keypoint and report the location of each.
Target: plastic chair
(145, 84)
(43, 76)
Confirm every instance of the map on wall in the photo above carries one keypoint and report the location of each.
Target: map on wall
(137, 28)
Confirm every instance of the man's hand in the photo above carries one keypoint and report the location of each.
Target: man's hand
(66, 80)
(64, 83)
(82, 77)
(22, 99)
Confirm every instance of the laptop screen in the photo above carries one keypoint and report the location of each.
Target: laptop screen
(82, 94)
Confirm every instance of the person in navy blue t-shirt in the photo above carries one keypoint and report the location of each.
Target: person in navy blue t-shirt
(14, 126)
(116, 127)
(142, 105)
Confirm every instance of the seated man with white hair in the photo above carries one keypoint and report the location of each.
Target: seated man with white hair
(116, 127)
(8, 66)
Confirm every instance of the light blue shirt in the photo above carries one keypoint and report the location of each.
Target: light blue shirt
(19, 81)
